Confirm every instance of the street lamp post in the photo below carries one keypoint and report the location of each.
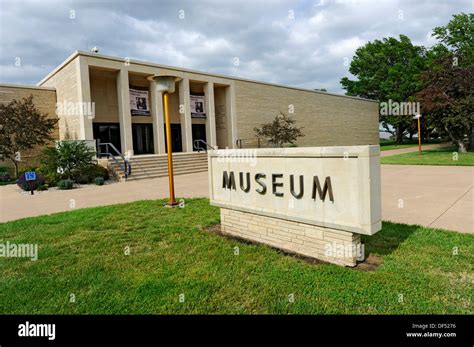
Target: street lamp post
(166, 84)
(418, 117)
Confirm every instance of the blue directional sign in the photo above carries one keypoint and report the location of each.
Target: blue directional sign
(30, 176)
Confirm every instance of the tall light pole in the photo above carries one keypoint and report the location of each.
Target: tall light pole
(166, 85)
(417, 117)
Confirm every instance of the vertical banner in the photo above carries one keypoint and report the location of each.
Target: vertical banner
(139, 103)
(197, 106)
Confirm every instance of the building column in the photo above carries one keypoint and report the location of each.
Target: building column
(231, 115)
(185, 115)
(211, 114)
(125, 116)
(84, 98)
(157, 115)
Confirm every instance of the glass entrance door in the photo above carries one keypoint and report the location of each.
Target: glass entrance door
(176, 141)
(107, 132)
(142, 139)
(199, 133)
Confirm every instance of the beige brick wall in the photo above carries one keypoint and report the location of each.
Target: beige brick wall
(66, 83)
(327, 120)
(103, 86)
(45, 101)
(300, 238)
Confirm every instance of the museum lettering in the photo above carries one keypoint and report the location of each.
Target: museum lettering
(276, 182)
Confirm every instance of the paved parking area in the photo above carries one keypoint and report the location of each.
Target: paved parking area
(435, 196)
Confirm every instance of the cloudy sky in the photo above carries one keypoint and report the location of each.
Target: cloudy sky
(301, 43)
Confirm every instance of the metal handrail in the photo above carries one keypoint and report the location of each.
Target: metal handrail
(126, 167)
(239, 142)
(199, 148)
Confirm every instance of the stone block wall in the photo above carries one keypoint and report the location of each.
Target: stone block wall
(330, 245)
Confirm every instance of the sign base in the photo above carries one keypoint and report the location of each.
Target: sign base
(326, 244)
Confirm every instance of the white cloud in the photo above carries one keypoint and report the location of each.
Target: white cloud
(306, 50)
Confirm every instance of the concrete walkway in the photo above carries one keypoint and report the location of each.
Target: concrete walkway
(435, 196)
(412, 149)
(15, 204)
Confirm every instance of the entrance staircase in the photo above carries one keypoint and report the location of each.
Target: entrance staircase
(156, 165)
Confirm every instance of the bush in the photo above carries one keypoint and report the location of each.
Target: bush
(66, 184)
(4, 175)
(42, 187)
(99, 181)
(90, 173)
(52, 178)
(25, 185)
(49, 166)
(82, 179)
(97, 171)
(68, 160)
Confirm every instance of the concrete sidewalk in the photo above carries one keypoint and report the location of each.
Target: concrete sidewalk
(412, 149)
(15, 204)
(434, 196)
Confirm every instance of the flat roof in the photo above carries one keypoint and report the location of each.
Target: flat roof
(168, 67)
(8, 85)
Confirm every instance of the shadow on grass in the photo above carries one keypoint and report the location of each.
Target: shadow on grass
(388, 239)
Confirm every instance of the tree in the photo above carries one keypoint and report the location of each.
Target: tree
(448, 99)
(458, 36)
(22, 127)
(387, 69)
(280, 131)
(447, 95)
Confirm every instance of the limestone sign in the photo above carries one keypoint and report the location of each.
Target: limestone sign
(314, 201)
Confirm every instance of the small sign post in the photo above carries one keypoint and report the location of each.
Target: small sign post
(30, 177)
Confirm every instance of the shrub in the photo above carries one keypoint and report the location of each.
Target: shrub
(97, 171)
(49, 167)
(4, 175)
(99, 181)
(28, 169)
(82, 179)
(65, 184)
(52, 178)
(69, 159)
(42, 187)
(25, 185)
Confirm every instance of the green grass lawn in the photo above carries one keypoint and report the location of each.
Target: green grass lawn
(173, 253)
(435, 156)
(387, 145)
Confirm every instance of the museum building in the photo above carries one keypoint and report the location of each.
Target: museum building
(104, 99)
